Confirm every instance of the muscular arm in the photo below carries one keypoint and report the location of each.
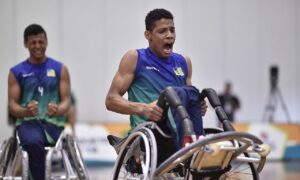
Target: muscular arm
(64, 91)
(14, 93)
(119, 86)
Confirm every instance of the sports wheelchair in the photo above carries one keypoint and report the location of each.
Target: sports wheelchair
(220, 154)
(63, 161)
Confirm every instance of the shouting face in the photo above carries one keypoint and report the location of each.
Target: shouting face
(162, 37)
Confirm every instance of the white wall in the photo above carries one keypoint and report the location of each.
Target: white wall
(234, 40)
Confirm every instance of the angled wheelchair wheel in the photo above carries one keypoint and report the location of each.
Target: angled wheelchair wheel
(7, 152)
(238, 170)
(138, 156)
(76, 158)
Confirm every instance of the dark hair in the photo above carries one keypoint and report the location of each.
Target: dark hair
(155, 15)
(33, 29)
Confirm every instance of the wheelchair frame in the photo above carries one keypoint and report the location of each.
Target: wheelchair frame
(13, 157)
(212, 157)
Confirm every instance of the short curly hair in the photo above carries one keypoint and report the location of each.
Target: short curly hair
(155, 15)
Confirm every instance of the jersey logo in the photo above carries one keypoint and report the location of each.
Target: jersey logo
(27, 75)
(152, 68)
(50, 73)
(178, 71)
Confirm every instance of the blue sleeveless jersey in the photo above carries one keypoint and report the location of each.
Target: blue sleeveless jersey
(39, 82)
(152, 75)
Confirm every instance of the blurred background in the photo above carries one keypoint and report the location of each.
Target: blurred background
(227, 40)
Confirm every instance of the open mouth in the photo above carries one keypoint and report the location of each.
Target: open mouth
(168, 47)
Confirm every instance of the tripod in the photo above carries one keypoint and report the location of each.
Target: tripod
(274, 97)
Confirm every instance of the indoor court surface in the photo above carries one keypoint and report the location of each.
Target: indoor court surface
(274, 170)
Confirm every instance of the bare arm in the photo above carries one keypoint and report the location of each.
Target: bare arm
(14, 93)
(119, 86)
(72, 116)
(64, 91)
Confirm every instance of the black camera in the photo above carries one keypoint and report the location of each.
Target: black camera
(274, 76)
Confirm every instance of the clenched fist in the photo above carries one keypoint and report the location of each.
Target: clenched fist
(152, 111)
(52, 109)
(32, 108)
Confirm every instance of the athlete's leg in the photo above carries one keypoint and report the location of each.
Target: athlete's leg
(52, 133)
(32, 140)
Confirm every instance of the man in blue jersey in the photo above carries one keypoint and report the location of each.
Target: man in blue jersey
(38, 97)
(145, 73)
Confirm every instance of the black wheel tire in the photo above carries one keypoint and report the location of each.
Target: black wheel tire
(76, 158)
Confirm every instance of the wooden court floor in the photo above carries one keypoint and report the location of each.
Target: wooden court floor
(281, 170)
(274, 170)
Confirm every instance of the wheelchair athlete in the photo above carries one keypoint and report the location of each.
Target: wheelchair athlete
(39, 97)
(145, 73)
